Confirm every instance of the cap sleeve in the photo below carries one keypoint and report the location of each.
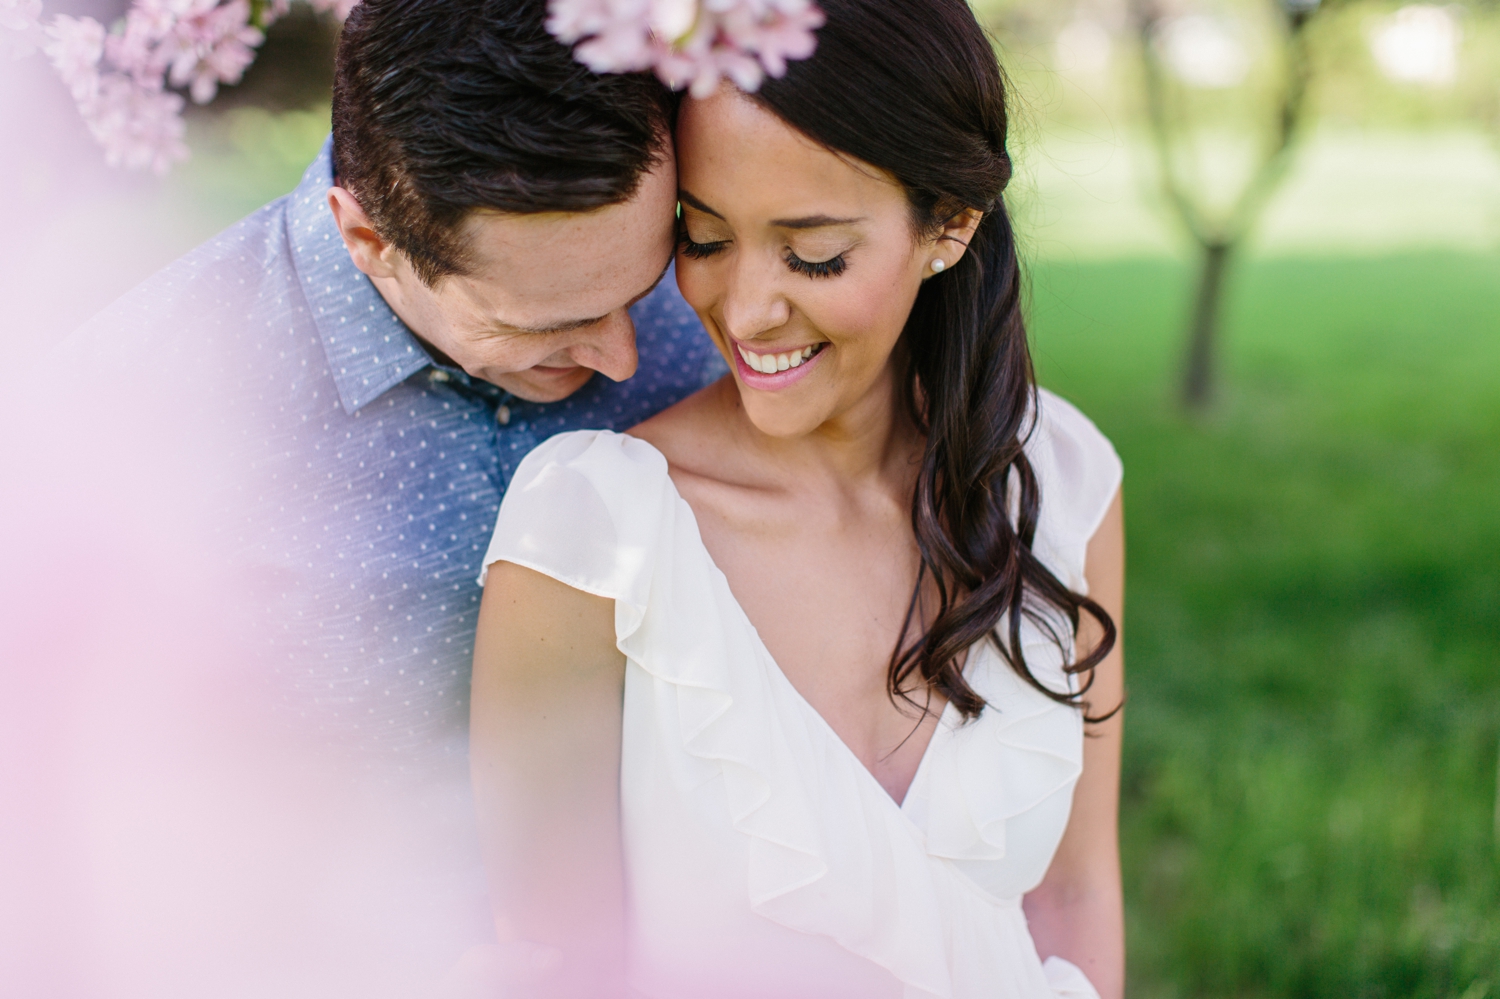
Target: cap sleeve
(1078, 473)
(583, 508)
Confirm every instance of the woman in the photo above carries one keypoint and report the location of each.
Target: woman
(784, 693)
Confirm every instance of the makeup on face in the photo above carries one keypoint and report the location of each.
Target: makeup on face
(801, 263)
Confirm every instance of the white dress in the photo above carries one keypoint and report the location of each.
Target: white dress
(763, 859)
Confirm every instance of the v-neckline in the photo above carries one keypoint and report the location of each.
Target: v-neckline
(780, 674)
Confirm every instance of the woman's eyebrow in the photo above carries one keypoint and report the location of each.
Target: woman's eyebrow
(813, 222)
(806, 222)
(685, 196)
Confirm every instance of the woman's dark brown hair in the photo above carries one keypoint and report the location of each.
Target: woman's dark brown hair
(913, 87)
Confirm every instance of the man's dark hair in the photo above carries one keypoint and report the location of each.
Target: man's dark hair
(444, 107)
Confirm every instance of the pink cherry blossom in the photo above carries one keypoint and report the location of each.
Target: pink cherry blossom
(571, 20)
(75, 45)
(616, 33)
(782, 31)
(211, 43)
(117, 82)
(739, 40)
(139, 128)
(122, 79)
(136, 47)
(617, 50)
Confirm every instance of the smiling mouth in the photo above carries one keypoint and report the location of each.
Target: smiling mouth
(770, 364)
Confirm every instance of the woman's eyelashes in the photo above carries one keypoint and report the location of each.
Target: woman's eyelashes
(699, 251)
(832, 267)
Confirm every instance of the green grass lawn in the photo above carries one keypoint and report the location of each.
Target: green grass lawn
(1313, 629)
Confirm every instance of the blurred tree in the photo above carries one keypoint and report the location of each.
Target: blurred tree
(1217, 232)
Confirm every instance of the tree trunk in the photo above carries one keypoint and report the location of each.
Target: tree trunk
(1203, 336)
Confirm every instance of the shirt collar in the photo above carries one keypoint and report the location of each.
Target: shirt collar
(369, 348)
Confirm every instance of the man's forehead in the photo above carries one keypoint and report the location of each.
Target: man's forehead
(552, 271)
(514, 232)
(532, 300)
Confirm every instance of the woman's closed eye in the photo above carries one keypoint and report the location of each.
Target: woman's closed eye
(832, 267)
(699, 251)
(829, 267)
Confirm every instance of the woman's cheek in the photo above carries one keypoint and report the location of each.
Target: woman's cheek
(695, 281)
(872, 310)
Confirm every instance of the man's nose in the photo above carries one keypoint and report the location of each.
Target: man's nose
(609, 347)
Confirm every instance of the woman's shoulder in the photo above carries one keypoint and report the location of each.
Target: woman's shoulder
(593, 455)
(1076, 450)
(584, 466)
(576, 502)
(1078, 473)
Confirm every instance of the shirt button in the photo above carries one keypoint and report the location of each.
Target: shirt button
(502, 415)
(439, 376)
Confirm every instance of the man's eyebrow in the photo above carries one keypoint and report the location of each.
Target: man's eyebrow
(578, 324)
(562, 327)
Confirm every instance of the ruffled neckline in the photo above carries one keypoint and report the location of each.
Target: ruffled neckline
(829, 852)
(729, 690)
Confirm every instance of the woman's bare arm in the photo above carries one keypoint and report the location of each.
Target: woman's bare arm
(545, 762)
(1077, 911)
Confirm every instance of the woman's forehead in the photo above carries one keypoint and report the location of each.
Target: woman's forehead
(734, 154)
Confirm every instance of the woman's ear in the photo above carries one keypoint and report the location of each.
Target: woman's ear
(367, 249)
(952, 241)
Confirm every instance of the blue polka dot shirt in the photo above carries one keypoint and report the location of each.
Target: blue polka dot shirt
(368, 477)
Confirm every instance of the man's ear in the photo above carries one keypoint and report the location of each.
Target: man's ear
(953, 240)
(369, 252)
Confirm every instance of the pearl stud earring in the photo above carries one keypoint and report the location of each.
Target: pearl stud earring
(938, 265)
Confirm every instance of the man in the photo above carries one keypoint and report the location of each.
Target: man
(330, 398)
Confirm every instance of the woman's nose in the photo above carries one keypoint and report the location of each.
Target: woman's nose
(753, 300)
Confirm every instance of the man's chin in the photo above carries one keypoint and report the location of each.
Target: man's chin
(543, 384)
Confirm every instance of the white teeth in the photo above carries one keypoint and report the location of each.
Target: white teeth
(768, 364)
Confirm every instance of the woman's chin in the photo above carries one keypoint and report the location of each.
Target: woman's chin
(774, 418)
(809, 407)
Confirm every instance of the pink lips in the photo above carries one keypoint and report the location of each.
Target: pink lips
(773, 381)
